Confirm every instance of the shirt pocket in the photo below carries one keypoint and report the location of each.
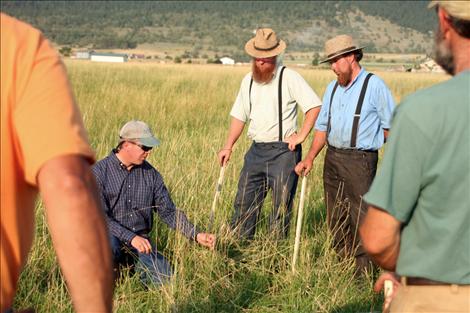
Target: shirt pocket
(142, 195)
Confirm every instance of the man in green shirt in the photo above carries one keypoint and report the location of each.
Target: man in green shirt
(418, 221)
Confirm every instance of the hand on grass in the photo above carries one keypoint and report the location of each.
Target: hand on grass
(206, 240)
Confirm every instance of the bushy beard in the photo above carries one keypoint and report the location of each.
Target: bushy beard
(344, 78)
(442, 53)
(262, 76)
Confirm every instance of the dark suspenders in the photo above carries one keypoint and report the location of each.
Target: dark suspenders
(328, 127)
(280, 103)
(357, 114)
(279, 100)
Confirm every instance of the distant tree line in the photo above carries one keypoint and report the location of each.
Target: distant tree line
(213, 24)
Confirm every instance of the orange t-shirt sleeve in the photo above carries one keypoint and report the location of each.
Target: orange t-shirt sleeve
(47, 120)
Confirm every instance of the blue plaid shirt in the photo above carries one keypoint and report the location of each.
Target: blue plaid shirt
(130, 197)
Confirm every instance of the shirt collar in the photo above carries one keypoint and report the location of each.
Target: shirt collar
(115, 160)
(279, 66)
(361, 73)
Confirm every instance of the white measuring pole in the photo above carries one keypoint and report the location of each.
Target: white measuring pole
(388, 291)
(216, 196)
(299, 222)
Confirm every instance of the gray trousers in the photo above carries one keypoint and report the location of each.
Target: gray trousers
(347, 176)
(267, 166)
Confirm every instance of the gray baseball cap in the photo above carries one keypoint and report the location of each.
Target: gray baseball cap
(138, 131)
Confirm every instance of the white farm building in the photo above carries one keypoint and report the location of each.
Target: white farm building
(108, 57)
(227, 61)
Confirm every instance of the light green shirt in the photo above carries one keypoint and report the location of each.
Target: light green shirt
(424, 181)
(264, 117)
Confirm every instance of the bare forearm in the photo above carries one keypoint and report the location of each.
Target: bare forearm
(380, 235)
(236, 129)
(78, 232)
(386, 259)
(319, 141)
(310, 118)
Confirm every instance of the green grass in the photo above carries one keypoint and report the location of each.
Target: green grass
(188, 109)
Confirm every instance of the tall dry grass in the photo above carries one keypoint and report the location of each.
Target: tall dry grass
(187, 107)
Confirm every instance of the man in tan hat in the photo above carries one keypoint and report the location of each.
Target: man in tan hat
(131, 189)
(268, 99)
(353, 121)
(418, 221)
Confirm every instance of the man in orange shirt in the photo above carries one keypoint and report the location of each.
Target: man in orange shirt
(44, 148)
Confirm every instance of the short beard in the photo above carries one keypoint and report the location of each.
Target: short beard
(262, 77)
(344, 78)
(442, 53)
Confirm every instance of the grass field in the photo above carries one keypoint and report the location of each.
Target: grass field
(188, 108)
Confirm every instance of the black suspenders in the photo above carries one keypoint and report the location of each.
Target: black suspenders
(280, 103)
(328, 127)
(357, 114)
(279, 100)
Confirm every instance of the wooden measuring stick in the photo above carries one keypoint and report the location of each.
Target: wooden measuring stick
(299, 222)
(388, 291)
(216, 196)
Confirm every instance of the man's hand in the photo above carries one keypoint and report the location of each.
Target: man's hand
(379, 285)
(304, 167)
(294, 140)
(141, 244)
(224, 156)
(206, 240)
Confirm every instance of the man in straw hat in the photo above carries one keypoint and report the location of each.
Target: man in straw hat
(418, 221)
(268, 99)
(353, 122)
(131, 189)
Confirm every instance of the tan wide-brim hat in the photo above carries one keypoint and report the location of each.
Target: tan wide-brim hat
(458, 9)
(265, 44)
(338, 46)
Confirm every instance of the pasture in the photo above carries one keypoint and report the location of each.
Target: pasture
(188, 108)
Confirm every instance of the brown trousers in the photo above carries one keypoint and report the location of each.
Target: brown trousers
(347, 176)
(435, 298)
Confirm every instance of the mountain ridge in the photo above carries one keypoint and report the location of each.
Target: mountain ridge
(224, 26)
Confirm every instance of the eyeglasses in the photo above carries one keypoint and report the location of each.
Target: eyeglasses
(144, 148)
(271, 60)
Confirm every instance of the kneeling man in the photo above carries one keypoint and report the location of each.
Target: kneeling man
(131, 190)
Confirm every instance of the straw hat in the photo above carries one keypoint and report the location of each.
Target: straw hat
(458, 9)
(339, 45)
(265, 44)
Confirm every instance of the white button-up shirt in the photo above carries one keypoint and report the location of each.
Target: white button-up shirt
(263, 117)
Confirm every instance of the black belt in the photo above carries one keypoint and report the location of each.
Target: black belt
(340, 150)
(419, 281)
